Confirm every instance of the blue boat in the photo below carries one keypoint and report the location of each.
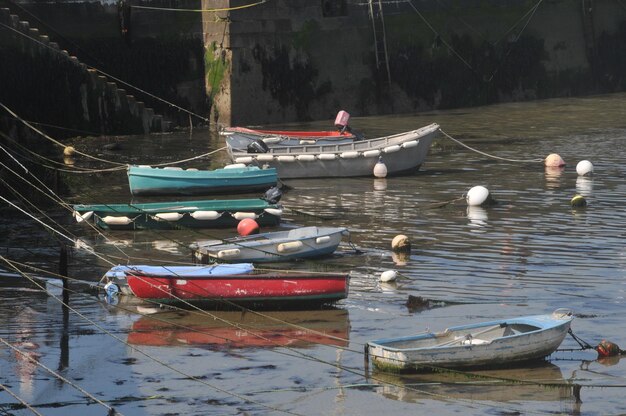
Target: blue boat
(149, 181)
(487, 344)
(298, 243)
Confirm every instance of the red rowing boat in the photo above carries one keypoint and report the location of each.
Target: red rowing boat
(294, 289)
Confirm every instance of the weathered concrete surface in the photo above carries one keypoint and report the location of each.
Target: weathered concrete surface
(300, 59)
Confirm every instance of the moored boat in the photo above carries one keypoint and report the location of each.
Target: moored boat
(302, 242)
(401, 153)
(486, 344)
(149, 181)
(179, 214)
(263, 289)
(241, 137)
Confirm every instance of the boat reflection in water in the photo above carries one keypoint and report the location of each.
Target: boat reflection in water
(541, 382)
(228, 329)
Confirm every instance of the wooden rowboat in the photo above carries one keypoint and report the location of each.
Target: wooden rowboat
(149, 181)
(176, 284)
(181, 214)
(302, 242)
(487, 344)
(401, 153)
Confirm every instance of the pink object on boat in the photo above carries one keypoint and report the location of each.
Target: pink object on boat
(342, 119)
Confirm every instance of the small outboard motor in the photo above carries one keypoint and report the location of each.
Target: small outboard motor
(258, 146)
(273, 195)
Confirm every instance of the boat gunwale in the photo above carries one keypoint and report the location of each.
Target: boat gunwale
(358, 145)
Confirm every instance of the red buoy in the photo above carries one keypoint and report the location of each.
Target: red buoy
(247, 226)
(608, 349)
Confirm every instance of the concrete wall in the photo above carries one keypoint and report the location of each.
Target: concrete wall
(306, 59)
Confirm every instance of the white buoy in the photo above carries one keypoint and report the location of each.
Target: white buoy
(584, 167)
(554, 160)
(380, 169)
(69, 151)
(388, 276)
(478, 195)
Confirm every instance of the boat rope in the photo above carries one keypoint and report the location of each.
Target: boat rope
(225, 9)
(70, 239)
(61, 166)
(58, 51)
(584, 345)
(19, 399)
(487, 154)
(140, 351)
(336, 365)
(43, 134)
(38, 363)
(119, 165)
(450, 48)
(508, 52)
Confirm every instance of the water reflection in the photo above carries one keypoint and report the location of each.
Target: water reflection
(584, 186)
(477, 217)
(535, 383)
(553, 176)
(400, 258)
(224, 330)
(380, 184)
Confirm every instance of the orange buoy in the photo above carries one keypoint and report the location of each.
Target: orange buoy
(554, 160)
(247, 226)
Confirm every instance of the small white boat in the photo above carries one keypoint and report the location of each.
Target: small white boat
(401, 153)
(302, 242)
(487, 344)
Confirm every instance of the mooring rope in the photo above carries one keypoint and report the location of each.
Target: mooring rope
(58, 51)
(19, 399)
(225, 9)
(59, 376)
(140, 351)
(487, 154)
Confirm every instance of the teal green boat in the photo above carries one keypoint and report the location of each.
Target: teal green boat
(149, 181)
(180, 214)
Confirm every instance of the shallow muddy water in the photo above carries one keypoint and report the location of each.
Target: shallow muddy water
(531, 253)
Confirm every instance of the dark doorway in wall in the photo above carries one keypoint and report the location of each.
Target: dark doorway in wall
(334, 8)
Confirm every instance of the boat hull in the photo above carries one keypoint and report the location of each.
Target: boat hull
(177, 215)
(425, 352)
(304, 242)
(148, 181)
(258, 290)
(401, 153)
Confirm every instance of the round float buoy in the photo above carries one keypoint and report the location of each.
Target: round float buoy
(388, 276)
(554, 160)
(578, 201)
(401, 243)
(478, 195)
(608, 349)
(247, 226)
(380, 169)
(584, 167)
(69, 151)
